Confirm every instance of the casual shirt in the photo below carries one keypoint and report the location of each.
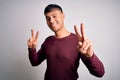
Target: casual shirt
(63, 58)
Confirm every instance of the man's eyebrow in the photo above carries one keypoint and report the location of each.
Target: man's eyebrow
(52, 14)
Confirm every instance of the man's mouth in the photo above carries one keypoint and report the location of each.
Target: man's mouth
(54, 24)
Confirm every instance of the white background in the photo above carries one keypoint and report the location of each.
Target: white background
(17, 17)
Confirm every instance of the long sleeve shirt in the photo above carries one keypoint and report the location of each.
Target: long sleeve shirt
(63, 59)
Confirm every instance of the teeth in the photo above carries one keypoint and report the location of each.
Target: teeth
(54, 24)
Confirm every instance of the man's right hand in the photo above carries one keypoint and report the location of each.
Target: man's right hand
(33, 41)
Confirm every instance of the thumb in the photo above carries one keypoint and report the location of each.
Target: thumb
(80, 43)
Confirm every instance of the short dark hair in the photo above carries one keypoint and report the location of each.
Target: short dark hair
(50, 7)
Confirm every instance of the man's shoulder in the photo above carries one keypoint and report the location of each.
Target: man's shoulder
(73, 36)
(49, 37)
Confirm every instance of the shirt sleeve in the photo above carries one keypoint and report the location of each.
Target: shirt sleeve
(36, 57)
(94, 65)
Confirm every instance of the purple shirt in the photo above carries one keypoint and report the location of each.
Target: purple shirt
(63, 59)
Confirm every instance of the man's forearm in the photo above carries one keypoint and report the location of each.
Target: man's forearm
(94, 65)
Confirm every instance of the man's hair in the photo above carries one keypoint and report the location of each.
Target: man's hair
(50, 7)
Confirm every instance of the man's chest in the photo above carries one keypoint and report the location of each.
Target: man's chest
(63, 51)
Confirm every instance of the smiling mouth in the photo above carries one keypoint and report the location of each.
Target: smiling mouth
(53, 24)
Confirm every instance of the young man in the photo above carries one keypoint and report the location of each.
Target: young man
(63, 50)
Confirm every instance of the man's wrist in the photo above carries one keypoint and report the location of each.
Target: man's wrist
(89, 55)
(32, 47)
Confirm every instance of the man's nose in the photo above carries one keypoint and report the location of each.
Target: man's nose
(51, 20)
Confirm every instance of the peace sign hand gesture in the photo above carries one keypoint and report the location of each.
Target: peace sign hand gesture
(33, 41)
(84, 45)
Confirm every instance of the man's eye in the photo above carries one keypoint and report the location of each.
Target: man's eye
(47, 18)
(54, 16)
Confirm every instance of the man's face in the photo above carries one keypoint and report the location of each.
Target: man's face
(55, 20)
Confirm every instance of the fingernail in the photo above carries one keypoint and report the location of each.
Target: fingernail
(80, 43)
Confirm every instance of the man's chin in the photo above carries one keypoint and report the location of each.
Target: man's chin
(54, 30)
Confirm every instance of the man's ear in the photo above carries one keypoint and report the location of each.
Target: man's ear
(63, 15)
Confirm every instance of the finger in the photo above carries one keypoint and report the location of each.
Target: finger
(76, 30)
(83, 31)
(88, 45)
(80, 43)
(32, 33)
(77, 33)
(29, 43)
(36, 37)
(84, 44)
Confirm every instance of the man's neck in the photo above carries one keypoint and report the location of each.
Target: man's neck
(62, 33)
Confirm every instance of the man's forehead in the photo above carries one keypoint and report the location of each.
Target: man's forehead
(53, 11)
